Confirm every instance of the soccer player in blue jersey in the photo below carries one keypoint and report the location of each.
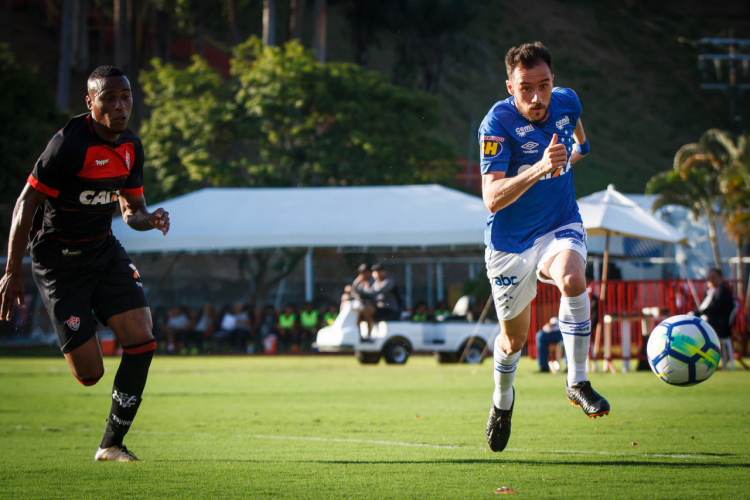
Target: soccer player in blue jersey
(529, 143)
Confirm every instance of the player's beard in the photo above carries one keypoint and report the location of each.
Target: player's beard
(526, 114)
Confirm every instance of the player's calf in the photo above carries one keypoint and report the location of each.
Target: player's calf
(127, 391)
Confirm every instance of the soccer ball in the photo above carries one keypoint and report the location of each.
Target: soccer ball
(683, 350)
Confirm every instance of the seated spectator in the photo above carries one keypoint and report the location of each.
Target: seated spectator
(288, 329)
(549, 334)
(384, 294)
(308, 319)
(330, 316)
(346, 296)
(421, 312)
(242, 327)
(192, 338)
(205, 327)
(225, 336)
(267, 331)
(442, 311)
(177, 325)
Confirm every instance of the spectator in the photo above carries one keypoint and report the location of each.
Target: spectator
(330, 316)
(549, 334)
(228, 323)
(442, 311)
(421, 312)
(267, 331)
(193, 340)
(177, 325)
(346, 296)
(309, 319)
(288, 329)
(243, 322)
(206, 325)
(383, 293)
(716, 309)
(362, 291)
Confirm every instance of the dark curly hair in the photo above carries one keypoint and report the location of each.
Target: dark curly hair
(527, 56)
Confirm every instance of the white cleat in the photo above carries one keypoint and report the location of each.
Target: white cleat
(115, 454)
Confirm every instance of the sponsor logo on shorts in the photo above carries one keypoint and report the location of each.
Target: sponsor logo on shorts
(560, 124)
(74, 323)
(529, 148)
(124, 400)
(67, 251)
(98, 197)
(570, 234)
(102, 162)
(491, 146)
(506, 280)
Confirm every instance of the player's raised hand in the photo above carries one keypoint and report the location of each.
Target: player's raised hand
(555, 156)
(159, 219)
(11, 289)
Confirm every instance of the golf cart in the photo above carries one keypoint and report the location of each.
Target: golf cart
(396, 340)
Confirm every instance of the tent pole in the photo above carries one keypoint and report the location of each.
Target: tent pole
(408, 286)
(309, 275)
(602, 296)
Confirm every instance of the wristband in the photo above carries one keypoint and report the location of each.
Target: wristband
(583, 149)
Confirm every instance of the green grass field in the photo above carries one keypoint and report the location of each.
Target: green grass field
(325, 427)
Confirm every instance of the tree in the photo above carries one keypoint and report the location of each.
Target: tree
(694, 182)
(269, 22)
(320, 29)
(23, 135)
(285, 120)
(63, 64)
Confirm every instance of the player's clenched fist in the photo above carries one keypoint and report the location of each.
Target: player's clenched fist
(555, 156)
(159, 219)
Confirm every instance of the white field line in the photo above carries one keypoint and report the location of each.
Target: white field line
(400, 443)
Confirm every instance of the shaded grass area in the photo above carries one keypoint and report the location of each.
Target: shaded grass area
(329, 428)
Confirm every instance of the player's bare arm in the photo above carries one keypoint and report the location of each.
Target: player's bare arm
(136, 215)
(11, 284)
(580, 137)
(498, 191)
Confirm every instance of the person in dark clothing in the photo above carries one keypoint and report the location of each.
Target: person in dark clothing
(548, 335)
(716, 309)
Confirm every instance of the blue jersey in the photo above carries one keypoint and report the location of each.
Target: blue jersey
(510, 143)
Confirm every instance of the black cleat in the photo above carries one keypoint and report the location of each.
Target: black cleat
(590, 401)
(498, 426)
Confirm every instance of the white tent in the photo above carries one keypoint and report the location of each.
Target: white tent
(610, 212)
(220, 219)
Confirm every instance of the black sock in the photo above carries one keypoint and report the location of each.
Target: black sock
(127, 391)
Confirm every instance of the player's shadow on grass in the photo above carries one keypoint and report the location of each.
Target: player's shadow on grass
(496, 461)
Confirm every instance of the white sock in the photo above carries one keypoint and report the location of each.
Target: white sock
(575, 325)
(505, 372)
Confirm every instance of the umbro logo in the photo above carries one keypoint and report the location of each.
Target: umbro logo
(102, 162)
(529, 148)
(560, 124)
(522, 131)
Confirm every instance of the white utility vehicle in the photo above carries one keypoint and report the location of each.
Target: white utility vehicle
(396, 340)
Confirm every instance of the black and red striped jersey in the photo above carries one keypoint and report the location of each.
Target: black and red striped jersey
(83, 176)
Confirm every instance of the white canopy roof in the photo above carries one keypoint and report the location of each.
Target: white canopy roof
(217, 219)
(612, 212)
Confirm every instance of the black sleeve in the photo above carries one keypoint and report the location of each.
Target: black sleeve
(134, 184)
(721, 303)
(52, 168)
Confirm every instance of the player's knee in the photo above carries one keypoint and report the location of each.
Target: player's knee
(89, 377)
(573, 285)
(509, 345)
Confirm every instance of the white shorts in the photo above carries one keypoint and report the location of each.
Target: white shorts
(513, 276)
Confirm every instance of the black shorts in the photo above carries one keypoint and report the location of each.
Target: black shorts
(79, 289)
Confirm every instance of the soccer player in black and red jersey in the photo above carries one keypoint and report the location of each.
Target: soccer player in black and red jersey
(83, 273)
